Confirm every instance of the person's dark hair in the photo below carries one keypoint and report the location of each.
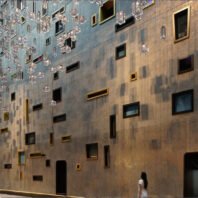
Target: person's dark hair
(144, 178)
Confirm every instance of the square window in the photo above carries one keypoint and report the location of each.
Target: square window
(13, 96)
(121, 51)
(182, 102)
(70, 43)
(92, 151)
(181, 20)
(57, 95)
(186, 64)
(131, 110)
(21, 157)
(106, 11)
(30, 138)
(59, 27)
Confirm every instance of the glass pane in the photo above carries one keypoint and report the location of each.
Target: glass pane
(183, 103)
(131, 110)
(181, 24)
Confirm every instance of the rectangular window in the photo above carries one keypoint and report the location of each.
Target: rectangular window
(107, 156)
(7, 166)
(47, 163)
(70, 43)
(120, 51)
(59, 27)
(191, 175)
(38, 59)
(131, 110)
(21, 157)
(37, 178)
(35, 155)
(106, 11)
(20, 4)
(186, 64)
(97, 94)
(57, 95)
(6, 116)
(56, 75)
(4, 130)
(27, 110)
(93, 20)
(73, 67)
(66, 138)
(113, 126)
(30, 138)
(13, 96)
(48, 41)
(181, 21)
(182, 102)
(59, 118)
(37, 107)
(133, 76)
(129, 21)
(51, 140)
(92, 151)
(148, 3)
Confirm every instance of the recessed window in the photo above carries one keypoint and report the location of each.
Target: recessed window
(133, 76)
(120, 51)
(70, 43)
(73, 67)
(113, 126)
(48, 41)
(107, 156)
(35, 155)
(59, 118)
(148, 3)
(37, 178)
(7, 166)
(59, 27)
(129, 21)
(38, 59)
(191, 175)
(92, 151)
(106, 11)
(4, 130)
(131, 110)
(30, 138)
(182, 102)
(13, 96)
(97, 94)
(6, 116)
(62, 10)
(28, 58)
(66, 138)
(181, 20)
(93, 20)
(57, 95)
(51, 138)
(21, 157)
(78, 166)
(22, 20)
(186, 64)
(47, 163)
(37, 107)
(56, 75)
(20, 4)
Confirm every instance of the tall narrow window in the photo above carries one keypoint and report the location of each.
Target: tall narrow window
(59, 27)
(57, 95)
(107, 156)
(113, 126)
(182, 102)
(181, 20)
(20, 4)
(191, 175)
(21, 157)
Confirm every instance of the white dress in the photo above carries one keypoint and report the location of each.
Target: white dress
(144, 191)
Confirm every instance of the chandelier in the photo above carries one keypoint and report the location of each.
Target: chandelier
(13, 43)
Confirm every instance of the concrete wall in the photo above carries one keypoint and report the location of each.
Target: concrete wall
(155, 141)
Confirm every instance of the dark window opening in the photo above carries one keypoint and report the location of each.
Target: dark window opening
(59, 118)
(97, 94)
(92, 151)
(186, 64)
(121, 51)
(113, 126)
(37, 178)
(56, 76)
(57, 95)
(32, 155)
(131, 110)
(47, 163)
(37, 107)
(59, 27)
(48, 41)
(107, 156)
(73, 67)
(13, 96)
(70, 43)
(7, 166)
(51, 140)
(182, 102)
(129, 21)
(181, 24)
(30, 138)
(191, 175)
